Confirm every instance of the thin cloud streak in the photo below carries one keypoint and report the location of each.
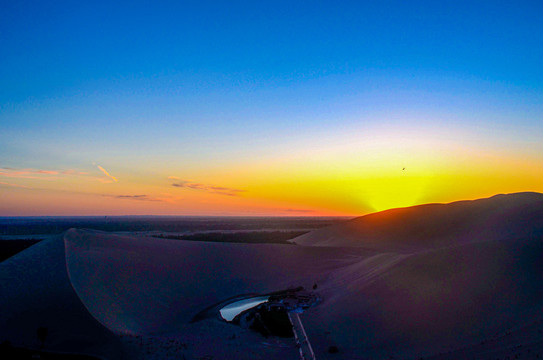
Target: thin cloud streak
(106, 173)
(142, 197)
(299, 210)
(219, 190)
(36, 173)
(15, 185)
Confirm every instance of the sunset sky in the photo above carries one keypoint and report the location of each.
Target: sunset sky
(266, 108)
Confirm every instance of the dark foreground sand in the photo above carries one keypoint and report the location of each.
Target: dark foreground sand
(457, 281)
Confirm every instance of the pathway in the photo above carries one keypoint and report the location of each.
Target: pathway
(302, 341)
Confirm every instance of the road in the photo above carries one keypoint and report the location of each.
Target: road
(302, 341)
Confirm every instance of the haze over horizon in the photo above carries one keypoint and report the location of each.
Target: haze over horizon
(269, 108)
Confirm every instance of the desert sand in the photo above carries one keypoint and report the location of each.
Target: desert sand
(440, 281)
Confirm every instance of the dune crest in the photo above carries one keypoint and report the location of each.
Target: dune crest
(432, 226)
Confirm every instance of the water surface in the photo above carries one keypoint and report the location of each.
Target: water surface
(230, 311)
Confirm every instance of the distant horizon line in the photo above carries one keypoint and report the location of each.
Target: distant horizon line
(185, 216)
(261, 216)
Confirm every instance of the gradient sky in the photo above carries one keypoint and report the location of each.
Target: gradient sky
(266, 108)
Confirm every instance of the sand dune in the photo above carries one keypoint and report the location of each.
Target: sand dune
(459, 281)
(152, 286)
(437, 225)
(36, 292)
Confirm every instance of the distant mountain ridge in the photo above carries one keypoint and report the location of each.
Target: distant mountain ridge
(501, 216)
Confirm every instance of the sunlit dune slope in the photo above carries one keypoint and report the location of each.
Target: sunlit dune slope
(435, 225)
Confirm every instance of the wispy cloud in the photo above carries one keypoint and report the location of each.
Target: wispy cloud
(52, 175)
(219, 190)
(37, 173)
(74, 172)
(106, 173)
(15, 185)
(142, 197)
(305, 211)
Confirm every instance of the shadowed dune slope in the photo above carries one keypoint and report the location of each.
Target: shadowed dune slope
(437, 225)
(148, 286)
(437, 301)
(375, 305)
(36, 292)
(402, 284)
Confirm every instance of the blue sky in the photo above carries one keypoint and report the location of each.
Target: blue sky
(51, 49)
(197, 84)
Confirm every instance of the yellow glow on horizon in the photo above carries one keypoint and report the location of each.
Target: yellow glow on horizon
(386, 193)
(360, 175)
